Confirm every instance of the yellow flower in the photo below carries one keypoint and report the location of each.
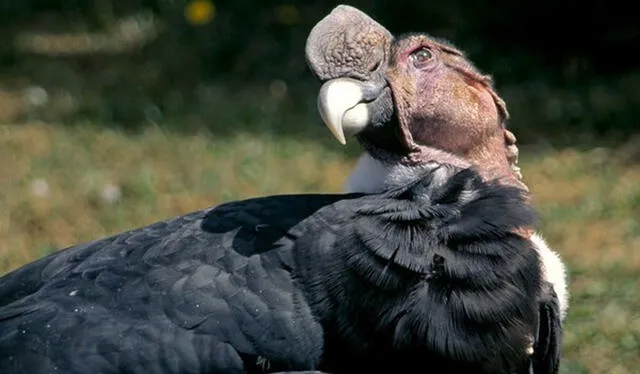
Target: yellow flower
(199, 12)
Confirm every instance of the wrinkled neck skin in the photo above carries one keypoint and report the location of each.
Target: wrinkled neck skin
(492, 163)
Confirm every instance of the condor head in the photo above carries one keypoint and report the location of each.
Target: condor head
(410, 99)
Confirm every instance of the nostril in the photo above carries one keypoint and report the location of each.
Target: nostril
(376, 66)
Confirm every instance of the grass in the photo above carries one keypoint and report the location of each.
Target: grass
(67, 184)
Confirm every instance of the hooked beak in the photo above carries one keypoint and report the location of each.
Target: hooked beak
(343, 108)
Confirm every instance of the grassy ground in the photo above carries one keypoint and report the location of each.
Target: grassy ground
(62, 185)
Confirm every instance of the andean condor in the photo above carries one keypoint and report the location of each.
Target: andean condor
(431, 270)
(412, 100)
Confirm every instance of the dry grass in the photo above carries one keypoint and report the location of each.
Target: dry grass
(63, 185)
(591, 201)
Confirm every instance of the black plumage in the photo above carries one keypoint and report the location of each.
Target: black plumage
(426, 273)
(491, 300)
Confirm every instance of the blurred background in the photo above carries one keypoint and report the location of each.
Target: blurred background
(115, 114)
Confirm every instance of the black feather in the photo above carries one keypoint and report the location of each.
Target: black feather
(424, 273)
(546, 357)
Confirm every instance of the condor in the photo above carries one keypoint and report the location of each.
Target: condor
(413, 100)
(431, 270)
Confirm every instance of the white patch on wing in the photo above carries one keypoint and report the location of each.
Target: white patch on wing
(554, 271)
(371, 176)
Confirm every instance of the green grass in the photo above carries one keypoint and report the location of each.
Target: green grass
(53, 181)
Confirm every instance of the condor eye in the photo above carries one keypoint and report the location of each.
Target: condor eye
(421, 57)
